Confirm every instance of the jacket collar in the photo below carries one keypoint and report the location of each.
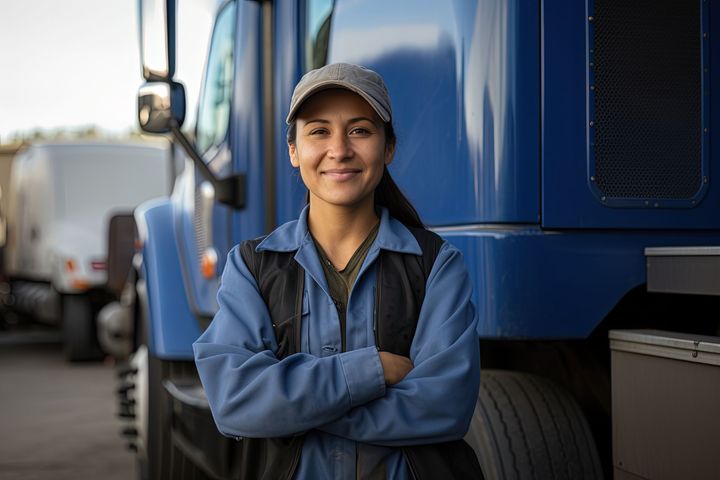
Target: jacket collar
(294, 235)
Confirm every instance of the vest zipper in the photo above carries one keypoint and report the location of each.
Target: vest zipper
(357, 461)
(375, 315)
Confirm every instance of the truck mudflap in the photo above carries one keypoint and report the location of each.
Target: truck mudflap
(194, 431)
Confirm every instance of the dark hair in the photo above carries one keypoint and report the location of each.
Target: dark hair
(387, 193)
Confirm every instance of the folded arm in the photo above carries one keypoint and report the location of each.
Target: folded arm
(435, 401)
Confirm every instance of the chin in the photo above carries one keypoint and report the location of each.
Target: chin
(343, 200)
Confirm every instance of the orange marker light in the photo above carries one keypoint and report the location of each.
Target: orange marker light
(69, 265)
(208, 263)
(80, 284)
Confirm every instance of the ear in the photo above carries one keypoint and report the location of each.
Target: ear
(292, 150)
(389, 153)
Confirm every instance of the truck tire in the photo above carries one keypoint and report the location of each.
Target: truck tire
(80, 341)
(526, 427)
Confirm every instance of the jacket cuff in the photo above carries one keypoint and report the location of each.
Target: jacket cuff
(363, 374)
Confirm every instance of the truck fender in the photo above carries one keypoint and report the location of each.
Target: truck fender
(172, 326)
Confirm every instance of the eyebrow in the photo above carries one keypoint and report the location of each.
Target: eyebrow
(359, 119)
(352, 120)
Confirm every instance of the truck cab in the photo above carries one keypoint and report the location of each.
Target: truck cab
(548, 140)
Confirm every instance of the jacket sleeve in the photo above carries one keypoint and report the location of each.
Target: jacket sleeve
(252, 393)
(436, 400)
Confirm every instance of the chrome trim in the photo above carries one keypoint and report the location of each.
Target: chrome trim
(269, 124)
(682, 251)
(485, 227)
(203, 221)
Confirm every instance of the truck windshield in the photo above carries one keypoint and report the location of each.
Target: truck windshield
(318, 14)
(216, 96)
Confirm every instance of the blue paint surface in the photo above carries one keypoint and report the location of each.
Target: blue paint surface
(490, 103)
(172, 327)
(538, 284)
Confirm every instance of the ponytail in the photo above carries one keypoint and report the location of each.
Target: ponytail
(389, 195)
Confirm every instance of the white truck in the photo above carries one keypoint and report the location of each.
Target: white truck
(61, 199)
(7, 153)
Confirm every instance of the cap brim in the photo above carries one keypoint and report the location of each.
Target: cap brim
(329, 84)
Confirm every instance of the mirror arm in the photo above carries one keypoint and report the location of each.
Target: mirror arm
(229, 191)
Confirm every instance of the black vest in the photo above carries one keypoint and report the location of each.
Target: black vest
(400, 292)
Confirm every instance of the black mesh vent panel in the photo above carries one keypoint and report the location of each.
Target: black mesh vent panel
(647, 125)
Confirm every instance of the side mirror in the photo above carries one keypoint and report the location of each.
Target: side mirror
(161, 106)
(157, 38)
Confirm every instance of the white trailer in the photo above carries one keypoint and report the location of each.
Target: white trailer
(7, 153)
(61, 198)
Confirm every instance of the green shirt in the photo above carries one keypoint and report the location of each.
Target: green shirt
(340, 282)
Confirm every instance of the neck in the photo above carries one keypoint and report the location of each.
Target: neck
(341, 229)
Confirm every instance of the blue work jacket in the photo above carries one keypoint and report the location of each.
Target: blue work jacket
(340, 398)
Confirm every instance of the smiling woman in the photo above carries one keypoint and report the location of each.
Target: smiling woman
(345, 345)
(342, 152)
(386, 192)
(341, 140)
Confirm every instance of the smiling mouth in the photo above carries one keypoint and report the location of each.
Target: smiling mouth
(341, 175)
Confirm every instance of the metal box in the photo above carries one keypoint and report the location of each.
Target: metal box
(665, 405)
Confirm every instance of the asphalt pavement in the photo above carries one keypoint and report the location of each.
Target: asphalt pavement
(57, 420)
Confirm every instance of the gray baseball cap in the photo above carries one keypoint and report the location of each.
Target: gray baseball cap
(363, 81)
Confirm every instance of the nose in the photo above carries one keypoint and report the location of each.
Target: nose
(340, 147)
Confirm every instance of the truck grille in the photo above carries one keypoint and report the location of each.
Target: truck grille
(646, 135)
(200, 226)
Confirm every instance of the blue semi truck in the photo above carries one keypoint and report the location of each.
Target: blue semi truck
(562, 145)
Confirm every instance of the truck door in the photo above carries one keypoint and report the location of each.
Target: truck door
(205, 226)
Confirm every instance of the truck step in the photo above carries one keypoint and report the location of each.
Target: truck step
(690, 270)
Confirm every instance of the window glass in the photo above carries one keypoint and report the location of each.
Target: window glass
(317, 32)
(215, 99)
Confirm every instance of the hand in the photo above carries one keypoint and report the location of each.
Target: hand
(395, 367)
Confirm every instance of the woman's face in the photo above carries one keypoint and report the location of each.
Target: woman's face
(340, 148)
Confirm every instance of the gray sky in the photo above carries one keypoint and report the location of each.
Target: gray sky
(73, 63)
